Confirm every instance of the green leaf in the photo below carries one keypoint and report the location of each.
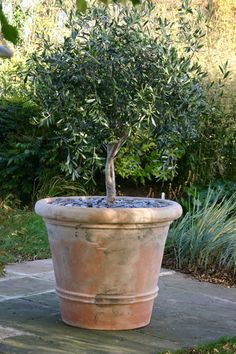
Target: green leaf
(136, 2)
(81, 5)
(226, 74)
(9, 32)
(90, 100)
(153, 121)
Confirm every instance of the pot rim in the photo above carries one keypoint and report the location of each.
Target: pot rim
(108, 215)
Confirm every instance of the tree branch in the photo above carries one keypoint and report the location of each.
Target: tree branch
(114, 149)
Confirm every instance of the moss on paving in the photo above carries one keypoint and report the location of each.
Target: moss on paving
(223, 346)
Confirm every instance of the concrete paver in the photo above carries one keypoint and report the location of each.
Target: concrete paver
(21, 287)
(39, 266)
(6, 332)
(186, 313)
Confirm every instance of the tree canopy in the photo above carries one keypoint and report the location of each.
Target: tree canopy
(112, 78)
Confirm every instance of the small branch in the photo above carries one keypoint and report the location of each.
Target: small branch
(114, 149)
(5, 52)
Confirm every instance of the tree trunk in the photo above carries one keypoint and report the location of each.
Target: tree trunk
(112, 150)
(110, 177)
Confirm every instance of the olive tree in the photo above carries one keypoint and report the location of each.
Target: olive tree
(115, 75)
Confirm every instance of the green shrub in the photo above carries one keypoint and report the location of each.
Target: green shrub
(196, 196)
(212, 154)
(18, 148)
(30, 156)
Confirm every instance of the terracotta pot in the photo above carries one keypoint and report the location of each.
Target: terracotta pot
(107, 262)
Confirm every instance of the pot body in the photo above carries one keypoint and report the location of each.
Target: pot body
(107, 262)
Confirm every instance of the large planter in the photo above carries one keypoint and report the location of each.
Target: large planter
(107, 262)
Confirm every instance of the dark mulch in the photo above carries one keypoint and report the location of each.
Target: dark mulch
(223, 277)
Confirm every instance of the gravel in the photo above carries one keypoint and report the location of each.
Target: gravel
(100, 202)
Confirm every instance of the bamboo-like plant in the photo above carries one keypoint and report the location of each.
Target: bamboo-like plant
(113, 77)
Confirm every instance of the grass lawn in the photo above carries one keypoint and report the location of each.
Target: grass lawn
(223, 346)
(23, 237)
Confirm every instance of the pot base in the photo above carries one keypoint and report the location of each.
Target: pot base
(106, 317)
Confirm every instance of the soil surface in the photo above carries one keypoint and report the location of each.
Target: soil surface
(100, 202)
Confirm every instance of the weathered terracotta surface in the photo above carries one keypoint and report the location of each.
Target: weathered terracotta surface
(107, 262)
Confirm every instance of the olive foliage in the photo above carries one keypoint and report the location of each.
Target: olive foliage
(119, 73)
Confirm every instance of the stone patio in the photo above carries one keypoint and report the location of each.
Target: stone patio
(186, 313)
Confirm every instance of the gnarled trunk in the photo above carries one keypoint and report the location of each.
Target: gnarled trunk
(112, 150)
(110, 177)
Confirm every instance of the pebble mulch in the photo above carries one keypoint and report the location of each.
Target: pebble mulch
(101, 203)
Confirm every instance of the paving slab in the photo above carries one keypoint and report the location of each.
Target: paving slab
(6, 332)
(39, 266)
(185, 313)
(24, 287)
